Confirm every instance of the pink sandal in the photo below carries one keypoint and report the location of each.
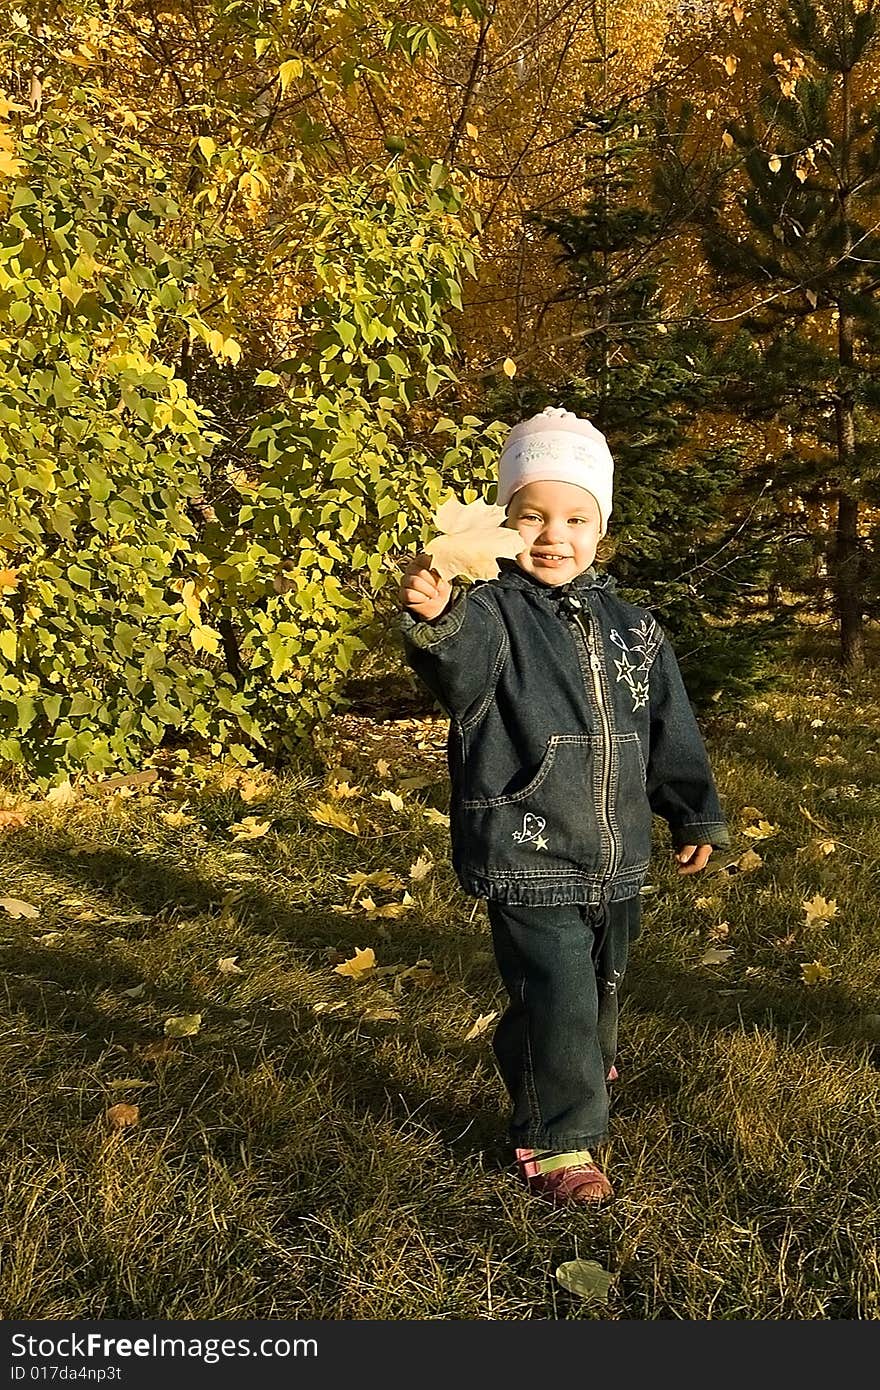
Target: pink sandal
(563, 1178)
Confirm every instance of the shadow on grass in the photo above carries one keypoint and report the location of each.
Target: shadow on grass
(64, 987)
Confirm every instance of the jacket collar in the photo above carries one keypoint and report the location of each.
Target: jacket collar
(512, 577)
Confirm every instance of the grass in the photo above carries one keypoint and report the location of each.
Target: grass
(331, 1148)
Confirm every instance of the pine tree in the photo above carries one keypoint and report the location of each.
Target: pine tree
(642, 382)
(801, 242)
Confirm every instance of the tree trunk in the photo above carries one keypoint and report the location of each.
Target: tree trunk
(847, 587)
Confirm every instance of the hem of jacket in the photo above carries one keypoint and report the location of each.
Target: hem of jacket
(701, 832)
(527, 892)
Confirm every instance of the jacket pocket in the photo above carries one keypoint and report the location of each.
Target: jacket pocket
(547, 826)
(631, 806)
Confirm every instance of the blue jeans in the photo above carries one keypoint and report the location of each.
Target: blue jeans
(555, 1044)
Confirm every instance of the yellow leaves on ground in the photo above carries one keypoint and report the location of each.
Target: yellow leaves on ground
(435, 817)
(325, 813)
(8, 579)
(815, 973)
(250, 828)
(62, 795)
(11, 819)
(819, 909)
(394, 800)
(420, 869)
(252, 790)
(16, 908)
(478, 1028)
(761, 831)
(472, 539)
(121, 1116)
(360, 964)
(182, 1025)
(226, 966)
(176, 818)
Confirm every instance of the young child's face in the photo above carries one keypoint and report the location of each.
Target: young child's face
(555, 520)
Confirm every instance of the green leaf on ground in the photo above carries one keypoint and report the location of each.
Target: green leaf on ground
(585, 1278)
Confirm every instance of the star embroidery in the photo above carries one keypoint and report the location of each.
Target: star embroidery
(540, 842)
(639, 694)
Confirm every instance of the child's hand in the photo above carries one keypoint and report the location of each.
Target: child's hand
(692, 858)
(422, 589)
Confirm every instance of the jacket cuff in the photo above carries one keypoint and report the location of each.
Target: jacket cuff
(713, 833)
(428, 632)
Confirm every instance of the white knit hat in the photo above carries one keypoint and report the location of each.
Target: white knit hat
(557, 446)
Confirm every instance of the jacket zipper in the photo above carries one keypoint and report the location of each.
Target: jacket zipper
(596, 668)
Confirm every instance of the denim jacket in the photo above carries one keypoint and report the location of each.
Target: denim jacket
(570, 726)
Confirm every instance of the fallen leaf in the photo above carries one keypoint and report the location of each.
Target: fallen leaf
(719, 932)
(12, 820)
(342, 790)
(774, 164)
(472, 539)
(183, 1025)
(716, 955)
(136, 992)
(16, 908)
(48, 938)
(761, 831)
(751, 813)
(360, 964)
(325, 813)
(227, 966)
(132, 779)
(250, 829)
(121, 1116)
(819, 909)
(62, 795)
(749, 861)
(383, 768)
(435, 817)
(730, 65)
(585, 1278)
(128, 1083)
(478, 1029)
(395, 802)
(381, 1015)
(420, 869)
(814, 972)
(508, 367)
(381, 878)
(252, 791)
(415, 784)
(707, 904)
(8, 578)
(176, 818)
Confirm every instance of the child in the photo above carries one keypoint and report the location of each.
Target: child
(569, 726)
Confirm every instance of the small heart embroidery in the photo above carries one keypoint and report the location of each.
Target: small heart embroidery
(532, 825)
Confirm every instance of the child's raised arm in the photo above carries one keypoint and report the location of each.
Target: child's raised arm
(456, 648)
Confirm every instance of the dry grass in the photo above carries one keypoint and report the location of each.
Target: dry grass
(299, 1159)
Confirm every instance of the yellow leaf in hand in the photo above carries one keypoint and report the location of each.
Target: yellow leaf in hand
(473, 538)
(361, 963)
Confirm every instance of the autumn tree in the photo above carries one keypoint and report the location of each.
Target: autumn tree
(793, 232)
